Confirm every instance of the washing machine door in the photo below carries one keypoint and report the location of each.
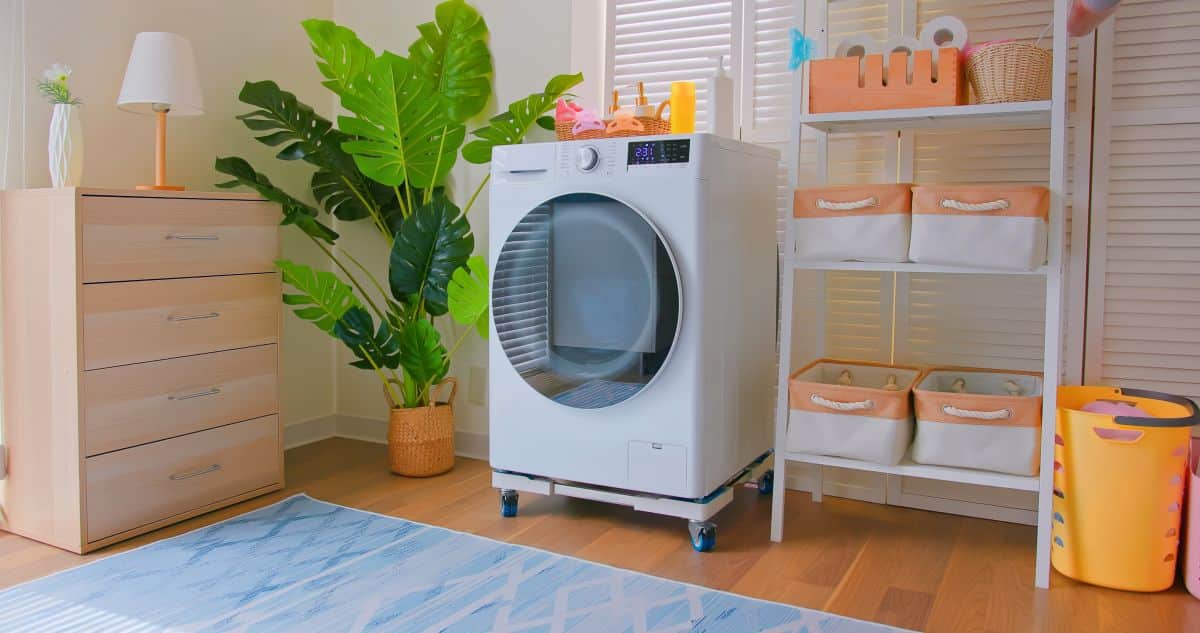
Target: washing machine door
(586, 300)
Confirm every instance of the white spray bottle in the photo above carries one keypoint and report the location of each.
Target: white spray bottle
(720, 101)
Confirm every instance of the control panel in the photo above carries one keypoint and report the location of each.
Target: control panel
(659, 152)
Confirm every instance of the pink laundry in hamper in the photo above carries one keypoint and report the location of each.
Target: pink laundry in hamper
(1191, 562)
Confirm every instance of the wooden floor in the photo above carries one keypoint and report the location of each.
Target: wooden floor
(914, 569)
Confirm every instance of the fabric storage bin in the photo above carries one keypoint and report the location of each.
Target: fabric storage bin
(979, 418)
(1191, 560)
(1118, 487)
(852, 409)
(868, 223)
(992, 226)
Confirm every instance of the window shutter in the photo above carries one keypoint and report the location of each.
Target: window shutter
(767, 89)
(660, 41)
(1144, 302)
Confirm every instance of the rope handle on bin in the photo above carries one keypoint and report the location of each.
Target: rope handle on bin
(847, 206)
(841, 406)
(999, 414)
(959, 205)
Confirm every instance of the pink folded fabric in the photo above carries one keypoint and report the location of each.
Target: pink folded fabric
(1121, 409)
(565, 111)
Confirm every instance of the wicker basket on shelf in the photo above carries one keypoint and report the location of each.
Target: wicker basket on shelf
(421, 439)
(1004, 72)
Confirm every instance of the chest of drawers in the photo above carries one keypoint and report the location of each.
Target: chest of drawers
(140, 359)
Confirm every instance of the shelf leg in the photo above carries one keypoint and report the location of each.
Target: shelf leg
(818, 492)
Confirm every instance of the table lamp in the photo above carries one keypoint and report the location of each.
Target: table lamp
(161, 79)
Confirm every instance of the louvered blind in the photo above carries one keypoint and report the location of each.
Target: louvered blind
(767, 89)
(660, 41)
(1144, 315)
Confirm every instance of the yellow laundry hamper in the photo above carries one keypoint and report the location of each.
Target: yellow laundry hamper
(1118, 488)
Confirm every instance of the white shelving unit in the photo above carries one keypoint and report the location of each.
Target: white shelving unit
(1050, 115)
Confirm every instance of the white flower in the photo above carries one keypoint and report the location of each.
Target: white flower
(57, 72)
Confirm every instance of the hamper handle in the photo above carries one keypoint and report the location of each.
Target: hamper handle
(841, 406)
(847, 206)
(959, 205)
(999, 414)
(1192, 419)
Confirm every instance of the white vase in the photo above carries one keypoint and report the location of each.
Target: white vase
(66, 146)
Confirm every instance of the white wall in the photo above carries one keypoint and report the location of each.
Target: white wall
(530, 42)
(234, 42)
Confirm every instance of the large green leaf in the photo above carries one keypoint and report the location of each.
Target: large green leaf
(452, 52)
(294, 211)
(400, 119)
(342, 58)
(511, 126)
(337, 184)
(322, 298)
(422, 356)
(431, 244)
(468, 295)
(373, 347)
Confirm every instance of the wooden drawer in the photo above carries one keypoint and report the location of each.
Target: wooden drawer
(138, 321)
(146, 402)
(127, 238)
(140, 485)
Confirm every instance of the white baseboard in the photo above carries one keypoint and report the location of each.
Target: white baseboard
(309, 431)
(466, 443)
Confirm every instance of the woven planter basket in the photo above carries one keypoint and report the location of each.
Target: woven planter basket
(1010, 71)
(421, 439)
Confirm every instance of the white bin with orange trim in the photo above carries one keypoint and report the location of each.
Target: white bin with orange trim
(852, 409)
(867, 223)
(984, 226)
(979, 418)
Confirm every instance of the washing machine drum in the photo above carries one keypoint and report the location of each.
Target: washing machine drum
(586, 300)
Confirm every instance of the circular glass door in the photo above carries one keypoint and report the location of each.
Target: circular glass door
(586, 302)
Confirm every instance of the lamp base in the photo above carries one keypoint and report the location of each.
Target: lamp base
(160, 188)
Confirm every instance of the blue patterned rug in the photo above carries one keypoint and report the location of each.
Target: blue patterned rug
(307, 565)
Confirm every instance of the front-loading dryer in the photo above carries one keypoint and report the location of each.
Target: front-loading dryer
(632, 351)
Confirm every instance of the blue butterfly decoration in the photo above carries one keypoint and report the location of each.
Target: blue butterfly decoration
(802, 48)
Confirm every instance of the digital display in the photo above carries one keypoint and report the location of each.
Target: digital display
(659, 152)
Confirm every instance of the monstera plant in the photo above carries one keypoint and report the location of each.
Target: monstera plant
(386, 162)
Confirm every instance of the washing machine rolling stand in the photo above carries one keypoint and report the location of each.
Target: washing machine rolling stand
(698, 512)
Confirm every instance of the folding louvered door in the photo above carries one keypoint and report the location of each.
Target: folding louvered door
(1143, 314)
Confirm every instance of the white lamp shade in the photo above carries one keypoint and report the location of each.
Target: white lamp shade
(161, 70)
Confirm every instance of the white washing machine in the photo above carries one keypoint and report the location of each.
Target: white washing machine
(632, 356)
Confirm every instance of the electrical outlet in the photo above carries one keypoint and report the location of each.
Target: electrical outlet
(477, 386)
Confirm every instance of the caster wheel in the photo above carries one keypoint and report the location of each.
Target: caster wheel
(508, 503)
(704, 535)
(766, 483)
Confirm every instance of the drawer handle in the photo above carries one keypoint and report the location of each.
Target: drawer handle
(199, 236)
(174, 318)
(195, 473)
(199, 394)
